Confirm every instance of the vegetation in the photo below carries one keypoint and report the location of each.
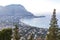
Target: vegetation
(6, 34)
(16, 33)
(53, 29)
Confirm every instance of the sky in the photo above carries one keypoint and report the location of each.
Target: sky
(35, 6)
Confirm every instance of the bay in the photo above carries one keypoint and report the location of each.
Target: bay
(40, 22)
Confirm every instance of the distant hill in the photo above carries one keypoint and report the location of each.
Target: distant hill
(15, 10)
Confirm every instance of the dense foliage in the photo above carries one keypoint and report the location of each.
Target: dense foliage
(6, 34)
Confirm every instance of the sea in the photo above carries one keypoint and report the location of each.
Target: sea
(42, 22)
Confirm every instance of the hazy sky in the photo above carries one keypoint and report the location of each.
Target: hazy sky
(35, 6)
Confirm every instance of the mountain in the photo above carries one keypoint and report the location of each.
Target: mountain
(17, 10)
(14, 10)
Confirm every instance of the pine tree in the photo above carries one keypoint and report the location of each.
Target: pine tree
(53, 29)
(16, 33)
